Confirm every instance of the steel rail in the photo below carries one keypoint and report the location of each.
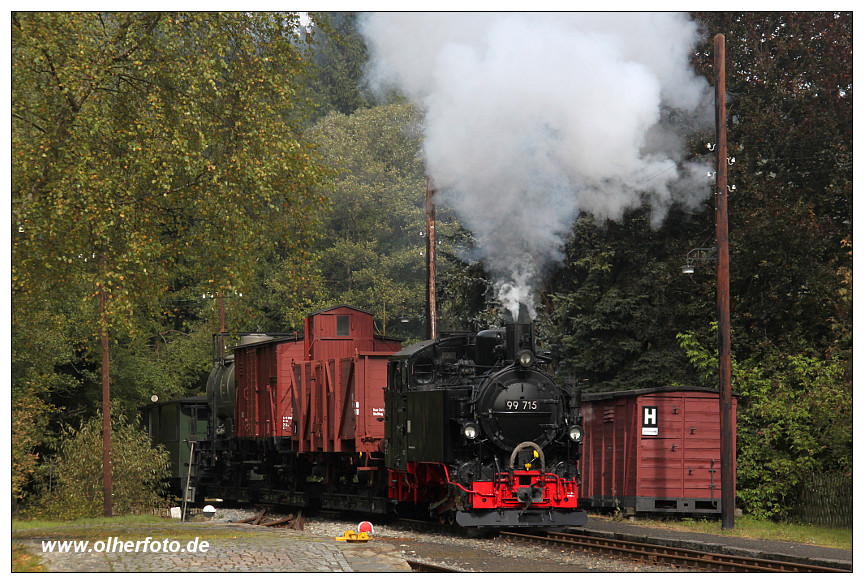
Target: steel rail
(425, 567)
(660, 554)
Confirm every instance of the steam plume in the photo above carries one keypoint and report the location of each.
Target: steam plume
(532, 118)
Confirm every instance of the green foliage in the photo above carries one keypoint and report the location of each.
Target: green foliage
(155, 157)
(29, 423)
(148, 146)
(704, 361)
(465, 293)
(42, 348)
(43, 340)
(797, 418)
(372, 249)
(284, 290)
(167, 364)
(794, 418)
(72, 482)
(616, 306)
(789, 77)
(339, 57)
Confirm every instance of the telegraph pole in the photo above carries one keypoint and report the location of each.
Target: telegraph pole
(727, 448)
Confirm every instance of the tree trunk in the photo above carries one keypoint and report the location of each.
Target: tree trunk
(106, 407)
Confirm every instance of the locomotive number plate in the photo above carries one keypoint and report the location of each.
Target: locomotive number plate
(521, 405)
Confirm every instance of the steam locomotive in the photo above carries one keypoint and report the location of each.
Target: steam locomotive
(467, 428)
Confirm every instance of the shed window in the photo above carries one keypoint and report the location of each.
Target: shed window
(343, 328)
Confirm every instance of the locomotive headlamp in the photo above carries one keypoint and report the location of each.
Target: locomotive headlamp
(575, 433)
(470, 430)
(526, 359)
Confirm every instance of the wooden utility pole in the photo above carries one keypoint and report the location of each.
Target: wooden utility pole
(727, 447)
(431, 308)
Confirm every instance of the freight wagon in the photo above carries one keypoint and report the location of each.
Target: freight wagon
(322, 392)
(176, 425)
(654, 450)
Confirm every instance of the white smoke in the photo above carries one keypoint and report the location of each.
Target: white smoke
(532, 118)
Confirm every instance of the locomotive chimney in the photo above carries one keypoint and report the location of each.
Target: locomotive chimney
(519, 334)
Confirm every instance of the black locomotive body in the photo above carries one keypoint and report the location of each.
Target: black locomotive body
(477, 427)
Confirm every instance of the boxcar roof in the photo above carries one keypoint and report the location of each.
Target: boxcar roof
(266, 339)
(338, 306)
(643, 391)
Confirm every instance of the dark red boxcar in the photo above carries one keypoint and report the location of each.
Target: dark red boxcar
(323, 391)
(256, 378)
(652, 450)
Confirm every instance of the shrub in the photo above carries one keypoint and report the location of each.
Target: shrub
(75, 488)
(794, 419)
(28, 428)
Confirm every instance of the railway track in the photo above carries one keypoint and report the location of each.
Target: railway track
(669, 555)
(425, 567)
(621, 547)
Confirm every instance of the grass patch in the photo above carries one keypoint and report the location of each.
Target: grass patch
(121, 520)
(127, 527)
(760, 529)
(24, 561)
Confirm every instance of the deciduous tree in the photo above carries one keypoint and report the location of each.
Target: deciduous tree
(154, 153)
(372, 249)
